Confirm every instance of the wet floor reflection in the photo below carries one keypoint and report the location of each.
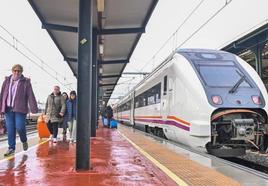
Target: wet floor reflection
(14, 171)
(114, 162)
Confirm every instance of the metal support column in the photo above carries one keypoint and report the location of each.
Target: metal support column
(84, 85)
(97, 97)
(258, 51)
(98, 92)
(94, 84)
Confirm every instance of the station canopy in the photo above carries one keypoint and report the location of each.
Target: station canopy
(118, 23)
(248, 41)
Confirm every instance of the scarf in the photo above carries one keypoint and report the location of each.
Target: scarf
(12, 90)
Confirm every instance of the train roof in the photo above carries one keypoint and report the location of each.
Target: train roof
(199, 50)
(178, 51)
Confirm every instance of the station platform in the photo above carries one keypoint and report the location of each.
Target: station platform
(122, 156)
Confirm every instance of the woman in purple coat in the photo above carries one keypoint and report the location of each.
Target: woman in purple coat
(16, 94)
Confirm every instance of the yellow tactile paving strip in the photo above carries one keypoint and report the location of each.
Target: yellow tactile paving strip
(31, 142)
(187, 170)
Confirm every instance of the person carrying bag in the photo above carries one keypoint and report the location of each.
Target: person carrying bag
(54, 111)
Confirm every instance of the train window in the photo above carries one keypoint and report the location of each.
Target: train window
(144, 99)
(136, 102)
(217, 62)
(209, 56)
(126, 106)
(157, 96)
(140, 101)
(221, 76)
(158, 93)
(129, 105)
(149, 97)
(165, 86)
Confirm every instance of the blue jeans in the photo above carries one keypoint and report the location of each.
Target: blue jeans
(15, 120)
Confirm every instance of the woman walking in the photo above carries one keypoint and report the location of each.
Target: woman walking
(65, 117)
(71, 112)
(54, 111)
(16, 95)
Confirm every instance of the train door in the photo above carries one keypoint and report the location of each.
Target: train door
(120, 113)
(164, 99)
(132, 108)
(171, 97)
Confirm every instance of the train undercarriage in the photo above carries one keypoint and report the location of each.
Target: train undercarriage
(234, 131)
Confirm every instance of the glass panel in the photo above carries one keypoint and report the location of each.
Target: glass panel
(221, 76)
(265, 65)
(165, 85)
(151, 100)
(149, 97)
(158, 93)
(249, 57)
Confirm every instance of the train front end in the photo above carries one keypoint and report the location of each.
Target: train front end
(238, 96)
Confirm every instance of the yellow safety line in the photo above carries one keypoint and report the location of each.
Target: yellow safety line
(168, 172)
(11, 157)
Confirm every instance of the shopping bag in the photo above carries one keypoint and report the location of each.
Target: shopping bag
(113, 124)
(42, 129)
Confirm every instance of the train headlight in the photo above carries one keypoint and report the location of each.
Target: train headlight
(256, 100)
(216, 100)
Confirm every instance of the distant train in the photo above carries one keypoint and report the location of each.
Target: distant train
(199, 97)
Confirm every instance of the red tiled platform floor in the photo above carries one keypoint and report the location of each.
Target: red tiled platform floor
(114, 161)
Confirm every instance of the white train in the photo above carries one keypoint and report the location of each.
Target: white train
(204, 98)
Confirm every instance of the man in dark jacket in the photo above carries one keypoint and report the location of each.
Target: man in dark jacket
(109, 113)
(16, 94)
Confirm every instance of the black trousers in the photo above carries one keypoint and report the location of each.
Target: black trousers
(53, 128)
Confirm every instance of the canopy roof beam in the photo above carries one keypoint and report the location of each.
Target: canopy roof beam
(121, 31)
(108, 62)
(110, 31)
(63, 28)
(110, 76)
(111, 84)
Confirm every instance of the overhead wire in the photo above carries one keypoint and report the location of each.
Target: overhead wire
(15, 47)
(227, 2)
(205, 23)
(174, 33)
(29, 50)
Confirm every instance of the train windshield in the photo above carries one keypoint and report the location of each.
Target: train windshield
(220, 75)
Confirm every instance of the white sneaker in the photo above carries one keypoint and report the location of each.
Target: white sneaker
(51, 138)
(55, 140)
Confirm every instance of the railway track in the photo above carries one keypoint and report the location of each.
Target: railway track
(250, 164)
